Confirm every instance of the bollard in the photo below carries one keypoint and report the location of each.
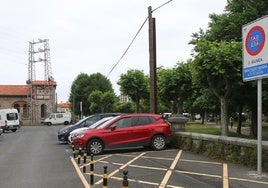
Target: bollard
(91, 170)
(85, 162)
(79, 155)
(105, 177)
(73, 149)
(125, 181)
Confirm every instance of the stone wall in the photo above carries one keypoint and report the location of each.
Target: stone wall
(231, 149)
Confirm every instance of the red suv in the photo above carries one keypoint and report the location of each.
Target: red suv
(124, 131)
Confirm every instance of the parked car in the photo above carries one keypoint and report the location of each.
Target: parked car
(93, 126)
(9, 119)
(124, 131)
(58, 118)
(63, 133)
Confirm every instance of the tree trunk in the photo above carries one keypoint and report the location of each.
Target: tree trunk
(253, 125)
(239, 124)
(137, 102)
(224, 120)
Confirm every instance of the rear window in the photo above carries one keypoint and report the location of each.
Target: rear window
(143, 120)
(12, 116)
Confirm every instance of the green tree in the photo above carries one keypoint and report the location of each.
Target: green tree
(101, 102)
(82, 87)
(134, 84)
(219, 65)
(227, 27)
(174, 86)
(79, 93)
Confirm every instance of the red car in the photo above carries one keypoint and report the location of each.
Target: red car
(125, 131)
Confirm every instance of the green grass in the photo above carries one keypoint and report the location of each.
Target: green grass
(197, 127)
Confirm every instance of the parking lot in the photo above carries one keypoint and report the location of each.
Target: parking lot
(32, 157)
(168, 168)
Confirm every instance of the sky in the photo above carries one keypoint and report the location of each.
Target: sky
(91, 36)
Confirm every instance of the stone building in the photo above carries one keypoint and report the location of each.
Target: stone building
(34, 101)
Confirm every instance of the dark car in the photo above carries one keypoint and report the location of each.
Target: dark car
(86, 122)
(126, 130)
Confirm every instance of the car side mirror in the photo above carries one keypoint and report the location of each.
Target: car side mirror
(113, 127)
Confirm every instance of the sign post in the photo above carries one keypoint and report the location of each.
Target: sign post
(255, 66)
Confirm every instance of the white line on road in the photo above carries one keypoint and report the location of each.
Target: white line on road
(171, 168)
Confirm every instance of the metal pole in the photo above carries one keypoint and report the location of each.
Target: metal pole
(259, 162)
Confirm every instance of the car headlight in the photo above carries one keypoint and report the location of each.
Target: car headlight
(79, 135)
(64, 131)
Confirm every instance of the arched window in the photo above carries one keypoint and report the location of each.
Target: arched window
(43, 111)
(17, 106)
(25, 112)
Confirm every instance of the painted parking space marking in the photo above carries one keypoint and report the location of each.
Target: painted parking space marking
(225, 176)
(199, 174)
(81, 176)
(171, 168)
(248, 180)
(152, 162)
(122, 167)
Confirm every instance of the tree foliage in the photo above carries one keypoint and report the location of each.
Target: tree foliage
(101, 102)
(83, 86)
(134, 84)
(174, 86)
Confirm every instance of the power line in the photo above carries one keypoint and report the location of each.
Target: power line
(134, 39)
(161, 5)
(127, 47)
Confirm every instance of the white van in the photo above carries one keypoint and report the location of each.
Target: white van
(9, 119)
(58, 118)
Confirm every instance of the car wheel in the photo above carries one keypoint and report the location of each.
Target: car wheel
(95, 147)
(49, 124)
(66, 123)
(159, 142)
(14, 130)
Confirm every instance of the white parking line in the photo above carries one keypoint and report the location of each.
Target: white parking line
(225, 181)
(171, 168)
(81, 176)
(122, 167)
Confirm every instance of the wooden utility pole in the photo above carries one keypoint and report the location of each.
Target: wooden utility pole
(152, 61)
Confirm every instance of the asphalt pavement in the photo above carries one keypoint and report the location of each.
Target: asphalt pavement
(32, 157)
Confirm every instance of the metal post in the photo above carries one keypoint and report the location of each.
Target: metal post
(79, 155)
(105, 177)
(259, 163)
(85, 162)
(91, 170)
(125, 180)
(73, 149)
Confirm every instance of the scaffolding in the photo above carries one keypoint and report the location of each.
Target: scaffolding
(41, 94)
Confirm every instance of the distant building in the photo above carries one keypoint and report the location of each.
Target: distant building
(34, 101)
(124, 98)
(64, 107)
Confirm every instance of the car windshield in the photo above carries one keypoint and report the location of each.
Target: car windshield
(105, 123)
(100, 122)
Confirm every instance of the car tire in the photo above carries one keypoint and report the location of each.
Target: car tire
(159, 142)
(14, 130)
(66, 123)
(49, 124)
(95, 147)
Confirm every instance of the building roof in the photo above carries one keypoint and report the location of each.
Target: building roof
(64, 105)
(44, 82)
(13, 90)
(18, 90)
